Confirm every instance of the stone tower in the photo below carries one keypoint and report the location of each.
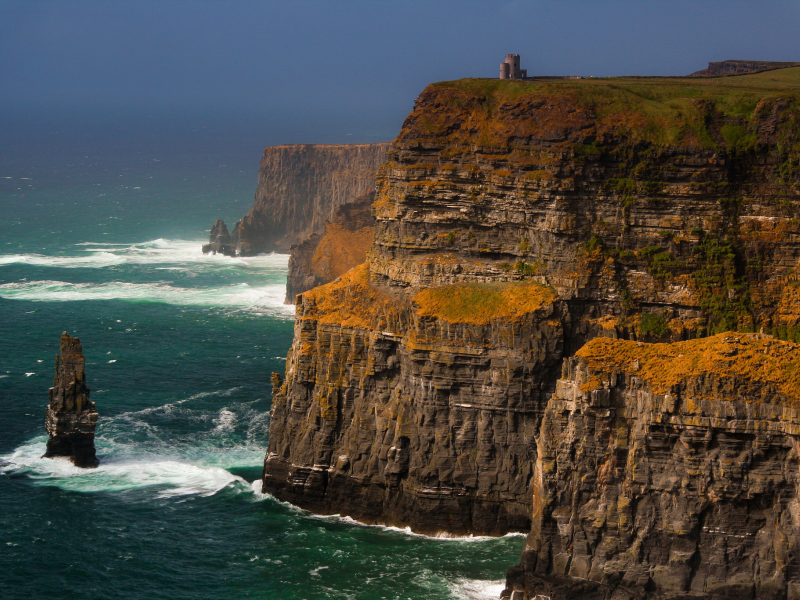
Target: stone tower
(509, 69)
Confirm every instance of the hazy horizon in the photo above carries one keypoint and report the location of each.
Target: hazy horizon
(345, 70)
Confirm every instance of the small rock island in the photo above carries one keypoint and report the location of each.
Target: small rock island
(71, 417)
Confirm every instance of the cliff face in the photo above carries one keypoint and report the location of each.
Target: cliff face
(299, 188)
(322, 258)
(516, 221)
(666, 471)
(71, 418)
(410, 412)
(663, 221)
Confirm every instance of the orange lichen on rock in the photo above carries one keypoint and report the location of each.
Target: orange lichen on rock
(788, 313)
(745, 356)
(608, 323)
(341, 249)
(350, 301)
(482, 303)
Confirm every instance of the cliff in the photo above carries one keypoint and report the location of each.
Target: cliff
(517, 221)
(740, 67)
(71, 418)
(299, 188)
(322, 258)
(414, 411)
(668, 471)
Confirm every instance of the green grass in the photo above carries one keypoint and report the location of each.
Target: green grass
(653, 325)
(723, 292)
(664, 111)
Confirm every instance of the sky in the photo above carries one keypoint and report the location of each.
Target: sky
(359, 65)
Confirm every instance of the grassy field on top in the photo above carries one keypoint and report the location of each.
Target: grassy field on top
(660, 89)
(665, 111)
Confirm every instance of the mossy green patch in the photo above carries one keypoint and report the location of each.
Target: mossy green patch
(722, 290)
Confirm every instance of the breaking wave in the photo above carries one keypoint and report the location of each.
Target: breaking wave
(179, 253)
(476, 589)
(254, 284)
(120, 473)
(152, 448)
(446, 537)
(265, 298)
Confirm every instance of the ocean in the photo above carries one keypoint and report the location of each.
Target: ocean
(102, 220)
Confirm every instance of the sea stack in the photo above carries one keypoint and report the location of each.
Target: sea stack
(220, 240)
(71, 418)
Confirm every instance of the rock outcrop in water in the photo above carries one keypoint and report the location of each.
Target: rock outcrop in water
(71, 418)
(322, 258)
(220, 240)
(517, 221)
(299, 188)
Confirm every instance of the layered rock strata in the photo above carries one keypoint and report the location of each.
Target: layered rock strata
(644, 232)
(517, 221)
(219, 240)
(668, 471)
(71, 418)
(299, 188)
(322, 258)
(414, 411)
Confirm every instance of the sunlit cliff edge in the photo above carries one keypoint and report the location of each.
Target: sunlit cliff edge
(447, 384)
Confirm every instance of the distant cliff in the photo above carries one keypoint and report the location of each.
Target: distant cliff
(299, 188)
(517, 222)
(322, 258)
(740, 67)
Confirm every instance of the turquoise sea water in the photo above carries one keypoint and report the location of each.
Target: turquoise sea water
(99, 236)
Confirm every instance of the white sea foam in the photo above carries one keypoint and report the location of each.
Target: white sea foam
(170, 407)
(443, 536)
(154, 252)
(158, 255)
(225, 421)
(262, 299)
(142, 449)
(476, 589)
(259, 495)
(119, 473)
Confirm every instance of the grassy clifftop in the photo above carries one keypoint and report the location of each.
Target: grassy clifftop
(666, 111)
